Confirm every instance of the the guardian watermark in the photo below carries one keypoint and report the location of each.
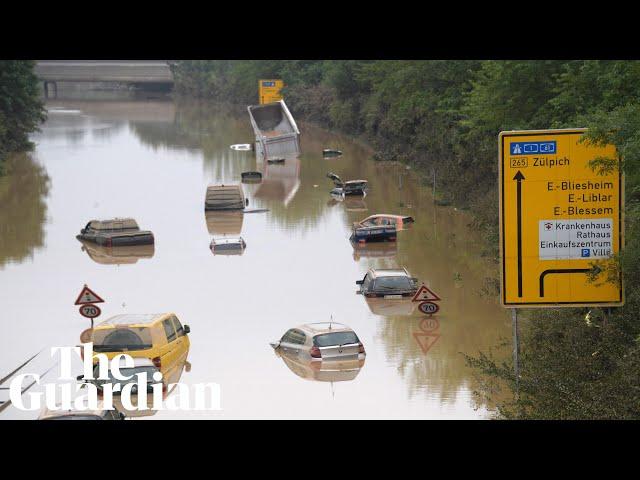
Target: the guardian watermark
(120, 376)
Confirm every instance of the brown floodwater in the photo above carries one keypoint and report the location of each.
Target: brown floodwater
(152, 160)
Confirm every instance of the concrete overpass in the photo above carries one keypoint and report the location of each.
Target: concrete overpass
(116, 71)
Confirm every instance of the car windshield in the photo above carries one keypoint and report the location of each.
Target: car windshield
(121, 339)
(393, 283)
(336, 338)
(127, 372)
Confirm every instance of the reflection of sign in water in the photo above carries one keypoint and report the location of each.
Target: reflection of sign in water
(270, 90)
(428, 334)
(557, 215)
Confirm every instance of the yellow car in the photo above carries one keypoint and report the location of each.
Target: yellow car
(159, 337)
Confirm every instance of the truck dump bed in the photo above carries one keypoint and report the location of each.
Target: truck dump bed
(277, 134)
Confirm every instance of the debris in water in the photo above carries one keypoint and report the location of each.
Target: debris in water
(331, 152)
(242, 147)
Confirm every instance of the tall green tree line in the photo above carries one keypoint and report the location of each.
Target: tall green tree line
(21, 110)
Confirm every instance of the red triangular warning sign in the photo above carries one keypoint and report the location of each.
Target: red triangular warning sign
(88, 296)
(425, 295)
(426, 340)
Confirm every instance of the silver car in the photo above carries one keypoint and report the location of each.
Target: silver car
(321, 342)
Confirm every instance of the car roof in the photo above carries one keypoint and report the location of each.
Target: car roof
(110, 224)
(389, 272)
(324, 327)
(132, 319)
(384, 215)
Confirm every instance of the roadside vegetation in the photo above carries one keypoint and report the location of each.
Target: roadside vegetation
(446, 116)
(21, 110)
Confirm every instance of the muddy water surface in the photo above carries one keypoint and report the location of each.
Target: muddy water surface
(152, 160)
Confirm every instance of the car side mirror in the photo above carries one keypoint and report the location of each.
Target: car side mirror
(80, 378)
(359, 282)
(187, 329)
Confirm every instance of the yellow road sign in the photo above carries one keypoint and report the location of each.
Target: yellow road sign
(558, 219)
(270, 90)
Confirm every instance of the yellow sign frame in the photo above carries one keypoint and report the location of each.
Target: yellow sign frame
(528, 276)
(270, 93)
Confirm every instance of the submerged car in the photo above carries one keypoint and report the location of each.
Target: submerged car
(227, 245)
(322, 341)
(378, 233)
(116, 232)
(400, 222)
(350, 187)
(331, 152)
(225, 197)
(159, 337)
(389, 283)
(75, 414)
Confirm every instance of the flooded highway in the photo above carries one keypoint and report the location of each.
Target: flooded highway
(152, 161)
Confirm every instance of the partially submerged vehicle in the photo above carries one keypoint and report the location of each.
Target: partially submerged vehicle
(116, 232)
(350, 187)
(160, 337)
(225, 197)
(227, 245)
(388, 283)
(380, 233)
(400, 222)
(278, 160)
(124, 255)
(81, 414)
(321, 342)
(275, 129)
(251, 177)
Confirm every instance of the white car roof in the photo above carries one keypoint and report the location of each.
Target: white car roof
(389, 272)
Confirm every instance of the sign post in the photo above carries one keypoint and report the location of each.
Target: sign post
(558, 219)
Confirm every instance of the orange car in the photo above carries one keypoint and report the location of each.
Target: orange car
(399, 221)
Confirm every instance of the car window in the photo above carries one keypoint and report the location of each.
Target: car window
(335, 338)
(119, 339)
(169, 330)
(393, 283)
(298, 337)
(179, 327)
(286, 337)
(369, 222)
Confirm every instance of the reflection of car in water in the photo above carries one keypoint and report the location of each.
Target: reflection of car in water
(174, 376)
(159, 337)
(388, 283)
(129, 254)
(374, 249)
(115, 233)
(140, 366)
(99, 414)
(386, 306)
(280, 182)
(320, 342)
(324, 370)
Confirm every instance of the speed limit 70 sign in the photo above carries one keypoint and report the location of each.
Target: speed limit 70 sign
(90, 311)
